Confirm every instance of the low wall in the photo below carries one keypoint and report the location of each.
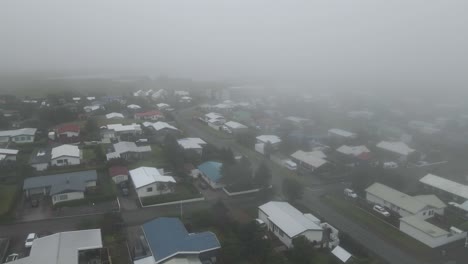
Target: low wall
(175, 202)
(240, 193)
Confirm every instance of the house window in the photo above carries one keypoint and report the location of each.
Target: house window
(281, 233)
(59, 161)
(149, 189)
(63, 197)
(424, 213)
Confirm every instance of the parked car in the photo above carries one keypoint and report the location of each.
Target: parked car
(381, 210)
(124, 188)
(29, 240)
(350, 193)
(390, 165)
(290, 165)
(11, 257)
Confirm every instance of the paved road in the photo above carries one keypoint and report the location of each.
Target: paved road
(386, 251)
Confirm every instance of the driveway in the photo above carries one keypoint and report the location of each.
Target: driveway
(25, 212)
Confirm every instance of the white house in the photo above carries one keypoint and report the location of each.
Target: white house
(428, 233)
(119, 130)
(214, 118)
(192, 144)
(8, 154)
(160, 94)
(358, 152)
(453, 190)
(115, 115)
(22, 135)
(185, 99)
(272, 139)
(91, 108)
(128, 150)
(397, 148)
(287, 223)
(297, 121)
(403, 204)
(133, 107)
(163, 106)
(309, 161)
(149, 181)
(339, 133)
(65, 155)
(236, 127)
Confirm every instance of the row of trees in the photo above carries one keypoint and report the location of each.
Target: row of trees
(241, 173)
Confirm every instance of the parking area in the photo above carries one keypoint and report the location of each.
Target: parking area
(28, 212)
(129, 201)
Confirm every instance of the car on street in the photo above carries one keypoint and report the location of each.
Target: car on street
(11, 257)
(350, 193)
(381, 210)
(124, 188)
(29, 240)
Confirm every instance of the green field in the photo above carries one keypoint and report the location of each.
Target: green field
(7, 197)
(156, 159)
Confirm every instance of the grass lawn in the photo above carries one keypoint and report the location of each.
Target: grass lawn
(386, 231)
(7, 197)
(156, 159)
(182, 192)
(89, 154)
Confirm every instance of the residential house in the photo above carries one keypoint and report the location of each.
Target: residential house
(192, 144)
(65, 155)
(446, 188)
(340, 134)
(118, 174)
(210, 172)
(396, 149)
(149, 181)
(309, 162)
(272, 139)
(120, 131)
(90, 98)
(214, 119)
(297, 121)
(61, 187)
(72, 247)
(150, 116)
(76, 99)
(288, 223)
(22, 135)
(160, 130)
(128, 151)
(403, 204)
(133, 107)
(235, 127)
(139, 93)
(181, 93)
(114, 115)
(169, 242)
(429, 233)
(160, 94)
(40, 159)
(354, 153)
(163, 106)
(8, 154)
(185, 99)
(91, 108)
(68, 133)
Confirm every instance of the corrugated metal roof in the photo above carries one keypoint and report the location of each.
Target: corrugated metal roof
(65, 150)
(273, 139)
(396, 147)
(143, 176)
(61, 182)
(167, 237)
(313, 158)
(341, 132)
(424, 226)
(18, 132)
(446, 185)
(290, 220)
(234, 125)
(397, 198)
(431, 200)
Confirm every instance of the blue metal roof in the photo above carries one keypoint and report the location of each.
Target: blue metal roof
(167, 237)
(212, 170)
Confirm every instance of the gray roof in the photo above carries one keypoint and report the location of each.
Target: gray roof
(59, 183)
(18, 132)
(397, 198)
(40, 156)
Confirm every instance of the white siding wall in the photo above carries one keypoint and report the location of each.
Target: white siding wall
(313, 235)
(64, 197)
(69, 134)
(40, 166)
(151, 190)
(424, 214)
(427, 239)
(71, 161)
(23, 139)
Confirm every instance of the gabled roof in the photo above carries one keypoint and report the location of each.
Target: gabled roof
(213, 115)
(273, 139)
(167, 238)
(211, 169)
(65, 150)
(124, 147)
(191, 143)
(149, 113)
(159, 125)
(8, 151)
(341, 132)
(431, 200)
(396, 147)
(124, 128)
(234, 125)
(424, 226)
(446, 185)
(68, 128)
(133, 106)
(290, 220)
(62, 248)
(143, 176)
(397, 198)
(118, 170)
(18, 132)
(313, 158)
(59, 183)
(114, 115)
(355, 151)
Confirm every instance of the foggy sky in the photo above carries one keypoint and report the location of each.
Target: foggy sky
(327, 43)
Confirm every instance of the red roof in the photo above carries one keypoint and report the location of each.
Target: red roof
(118, 170)
(149, 113)
(364, 156)
(68, 128)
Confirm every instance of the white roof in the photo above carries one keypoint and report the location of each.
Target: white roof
(114, 115)
(65, 150)
(18, 132)
(341, 132)
(269, 138)
(353, 150)
(397, 198)
(446, 185)
(159, 125)
(431, 200)
(133, 106)
(62, 248)
(313, 158)
(8, 151)
(181, 93)
(143, 176)
(296, 119)
(213, 115)
(125, 146)
(91, 107)
(159, 93)
(123, 128)
(341, 254)
(162, 105)
(76, 98)
(290, 220)
(191, 143)
(396, 147)
(424, 226)
(234, 125)
(91, 98)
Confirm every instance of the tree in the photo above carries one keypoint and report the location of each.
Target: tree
(173, 151)
(209, 152)
(302, 251)
(262, 176)
(4, 123)
(91, 129)
(238, 173)
(292, 189)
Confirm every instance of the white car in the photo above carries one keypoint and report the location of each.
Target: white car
(379, 209)
(29, 240)
(11, 257)
(390, 165)
(350, 193)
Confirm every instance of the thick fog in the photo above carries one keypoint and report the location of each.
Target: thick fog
(402, 44)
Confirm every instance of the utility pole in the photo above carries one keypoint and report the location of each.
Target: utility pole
(181, 211)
